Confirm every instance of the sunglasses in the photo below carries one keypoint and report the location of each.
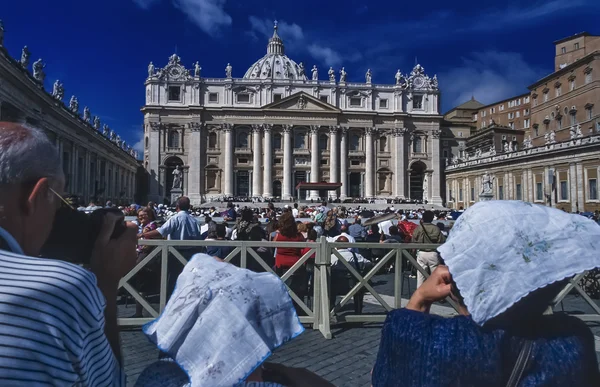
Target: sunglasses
(63, 201)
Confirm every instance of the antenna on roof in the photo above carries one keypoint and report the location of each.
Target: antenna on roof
(416, 61)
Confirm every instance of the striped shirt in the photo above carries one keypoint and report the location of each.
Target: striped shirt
(52, 324)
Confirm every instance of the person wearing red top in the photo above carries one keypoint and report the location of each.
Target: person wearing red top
(286, 257)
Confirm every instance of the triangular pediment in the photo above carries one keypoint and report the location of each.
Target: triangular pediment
(302, 101)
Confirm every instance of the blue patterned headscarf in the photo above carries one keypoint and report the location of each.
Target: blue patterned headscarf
(222, 322)
(500, 251)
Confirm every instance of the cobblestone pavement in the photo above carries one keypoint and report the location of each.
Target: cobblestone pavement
(346, 360)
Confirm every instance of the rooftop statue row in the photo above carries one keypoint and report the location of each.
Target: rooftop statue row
(58, 93)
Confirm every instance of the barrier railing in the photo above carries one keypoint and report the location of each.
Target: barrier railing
(315, 306)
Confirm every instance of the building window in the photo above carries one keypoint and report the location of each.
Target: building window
(500, 192)
(354, 142)
(383, 144)
(299, 141)
(534, 102)
(573, 118)
(511, 116)
(417, 145)
(356, 102)
(243, 98)
(571, 85)
(590, 112)
(460, 134)
(276, 97)
(559, 123)
(277, 141)
(539, 192)
(418, 102)
(526, 99)
(558, 91)
(355, 162)
(511, 125)
(546, 96)
(536, 131)
(242, 140)
(324, 98)
(502, 107)
(213, 97)
(174, 93)
(577, 46)
(588, 77)
(323, 161)
(472, 194)
(525, 112)
(323, 142)
(563, 50)
(519, 192)
(518, 114)
(526, 123)
(242, 161)
(564, 192)
(173, 140)
(592, 189)
(445, 153)
(460, 195)
(212, 140)
(277, 161)
(383, 103)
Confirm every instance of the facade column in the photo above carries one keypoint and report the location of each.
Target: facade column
(194, 172)
(400, 167)
(286, 189)
(344, 163)
(370, 165)
(257, 182)
(334, 168)
(268, 162)
(228, 189)
(153, 163)
(85, 186)
(580, 188)
(314, 159)
(436, 165)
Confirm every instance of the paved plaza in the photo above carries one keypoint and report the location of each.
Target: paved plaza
(345, 360)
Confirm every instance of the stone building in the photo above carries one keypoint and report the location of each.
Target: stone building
(282, 124)
(98, 166)
(551, 153)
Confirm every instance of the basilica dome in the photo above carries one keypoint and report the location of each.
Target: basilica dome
(276, 65)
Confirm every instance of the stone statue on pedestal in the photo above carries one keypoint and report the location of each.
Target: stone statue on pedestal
(301, 70)
(547, 138)
(25, 57)
(58, 91)
(343, 75)
(150, 70)
(38, 70)
(197, 70)
(96, 123)
(74, 105)
(177, 178)
(228, 70)
(331, 74)
(118, 141)
(86, 114)
(434, 82)
(315, 73)
(487, 183)
(578, 131)
(553, 137)
(573, 133)
(106, 131)
(425, 187)
(368, 76)
(398, 77)
(113, 136)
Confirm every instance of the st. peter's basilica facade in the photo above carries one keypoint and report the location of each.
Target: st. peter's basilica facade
(282, 124)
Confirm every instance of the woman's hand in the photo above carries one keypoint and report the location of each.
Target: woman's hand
(437, 287)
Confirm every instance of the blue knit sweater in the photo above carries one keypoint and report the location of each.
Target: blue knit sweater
(419, 349)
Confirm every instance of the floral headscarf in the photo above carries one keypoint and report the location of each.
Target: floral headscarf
(222, 322)
(500, 251)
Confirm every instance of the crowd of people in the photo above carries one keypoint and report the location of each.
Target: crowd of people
(58, 319)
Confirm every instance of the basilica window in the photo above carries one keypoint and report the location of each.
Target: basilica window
(243, 98)
(590, 111)
(323, 142)
(146, 143)
(417, 145)
(174, 93)
(212, 140)
(173, 140)
(383, 103)
(242, 140)
(213, 97)
(354, 142)
(299, 141)
(276, 97)
(355, 101)
(382, 144)
(277, 141)
(592, 189)
(418, 102)
(546, 96)
(324, 98)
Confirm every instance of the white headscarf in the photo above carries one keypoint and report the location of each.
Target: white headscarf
(222, 322)
(500, 251)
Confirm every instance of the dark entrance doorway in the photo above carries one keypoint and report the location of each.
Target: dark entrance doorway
(354, 182)
(299, 177)
(242, 184)
(417, 172)
(277, 189)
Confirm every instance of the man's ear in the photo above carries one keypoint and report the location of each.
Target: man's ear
(39, 196)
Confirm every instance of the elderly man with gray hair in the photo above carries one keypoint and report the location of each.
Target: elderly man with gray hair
(58, 321)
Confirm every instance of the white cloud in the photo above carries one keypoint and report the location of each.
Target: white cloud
(326, 55)
(488, 76)
(209, 15)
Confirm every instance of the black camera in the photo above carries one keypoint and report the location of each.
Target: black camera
(74, 234)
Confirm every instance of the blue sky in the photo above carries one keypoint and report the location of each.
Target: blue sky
(100, 50)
